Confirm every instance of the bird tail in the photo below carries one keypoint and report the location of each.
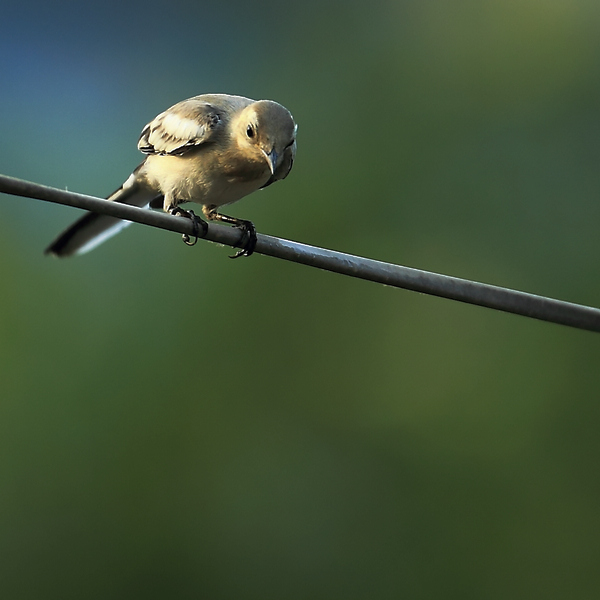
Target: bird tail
(93, 229)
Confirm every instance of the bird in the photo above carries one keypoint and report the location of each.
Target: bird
(211, 149)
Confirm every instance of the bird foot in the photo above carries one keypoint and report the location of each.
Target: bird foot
(196, 220)
(248, 241)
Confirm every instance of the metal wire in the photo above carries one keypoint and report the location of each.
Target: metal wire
(463, 290)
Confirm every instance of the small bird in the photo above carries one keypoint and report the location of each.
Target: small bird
(211, 149)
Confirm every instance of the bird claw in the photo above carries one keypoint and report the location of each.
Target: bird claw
(196, 220)
(248, 241)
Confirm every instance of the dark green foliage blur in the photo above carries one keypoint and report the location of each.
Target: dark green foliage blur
(174, 424)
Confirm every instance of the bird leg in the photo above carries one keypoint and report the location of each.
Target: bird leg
(196, 220)
(248, 241)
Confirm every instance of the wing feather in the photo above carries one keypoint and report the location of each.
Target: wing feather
(180, 128)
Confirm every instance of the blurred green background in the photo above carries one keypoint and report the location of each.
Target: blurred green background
(174, 424)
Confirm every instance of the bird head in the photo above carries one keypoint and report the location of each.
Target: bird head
(269, 129)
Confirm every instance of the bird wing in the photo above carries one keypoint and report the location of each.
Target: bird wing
(181, 128)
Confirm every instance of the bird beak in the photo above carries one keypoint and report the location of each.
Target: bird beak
(271, 157)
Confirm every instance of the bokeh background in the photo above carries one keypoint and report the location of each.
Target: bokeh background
(174, 424)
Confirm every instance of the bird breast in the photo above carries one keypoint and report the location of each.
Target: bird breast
(214, 179)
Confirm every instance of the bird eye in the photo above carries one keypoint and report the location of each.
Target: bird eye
(250, 131)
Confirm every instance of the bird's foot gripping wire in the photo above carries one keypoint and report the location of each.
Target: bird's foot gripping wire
(248, 241)
(196, 220)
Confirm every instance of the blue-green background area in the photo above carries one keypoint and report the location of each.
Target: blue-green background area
(174, 424)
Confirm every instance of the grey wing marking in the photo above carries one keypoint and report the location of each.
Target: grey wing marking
(180, 129)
